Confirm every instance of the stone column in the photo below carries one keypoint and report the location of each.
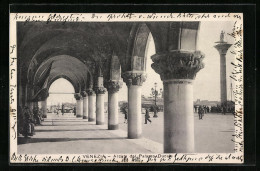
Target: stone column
(178, 70)
(78, 105)
(222, 48)
(44, 108)
(42, 99)
(100, 116)
(113, 87)
(91, 105)
(134, 81)
(85, 104)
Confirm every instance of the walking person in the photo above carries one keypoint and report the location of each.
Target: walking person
(147, 116)
(200, 112)
(74, 110)
(62, 109)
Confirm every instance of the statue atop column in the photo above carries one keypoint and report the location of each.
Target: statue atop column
(222, 34)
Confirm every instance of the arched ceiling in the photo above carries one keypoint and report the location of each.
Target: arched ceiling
(63, 65)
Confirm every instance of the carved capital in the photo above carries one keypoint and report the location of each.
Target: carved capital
(113, 85)
(83, 94)
(100, 90)
(77, 96)
(90, 92)
(134, 78)
(178, 64)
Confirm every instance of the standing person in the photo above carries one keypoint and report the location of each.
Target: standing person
(147, 116)
(57, 111)
(224, 110)
(62, 109)
(200, 112)
(74, 110)
(125, 113)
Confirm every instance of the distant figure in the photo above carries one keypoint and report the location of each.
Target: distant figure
(62, 109)
(58, 112)
(74, 110)
(125, 113)
(200, 112)
(147, 116)
(224, 110)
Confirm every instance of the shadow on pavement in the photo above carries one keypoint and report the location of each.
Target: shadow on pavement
(23, 140)
(61, 130)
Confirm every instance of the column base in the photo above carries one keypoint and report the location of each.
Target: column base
(91, 119)
(85, 117)
(137, 136)
(78, 116)
(100, 123)
(113, 127)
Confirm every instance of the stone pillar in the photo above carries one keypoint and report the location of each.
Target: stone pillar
(222, 48)
(134, 81)
(91, 105)
(85, 104)
(44, 108)
(177, 70)
(113, 87)
(100, 115)
(78, 105)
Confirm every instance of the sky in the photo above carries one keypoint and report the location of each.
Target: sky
(206, 85)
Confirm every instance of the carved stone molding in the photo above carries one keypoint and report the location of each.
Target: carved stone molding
(178, 64)
(90, 92)
(113, 86)
(100, 90)
(134, 78)
(83, 94)
(77, 96)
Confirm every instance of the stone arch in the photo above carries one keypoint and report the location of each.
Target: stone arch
(75, 86)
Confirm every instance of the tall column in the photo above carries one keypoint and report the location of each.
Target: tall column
(85, 104)
(222, 48)
(134, 81)
(113, 87)
(177, 70)
(100, 91)
(44, 108)
(91, 105)
(42, 99)
(78, 105)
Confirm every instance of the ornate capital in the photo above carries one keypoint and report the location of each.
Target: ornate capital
(100, 90)
(83, 93)
(134, 78)
(90, 92)
(113, 85)
(178, 64)
(77, 96)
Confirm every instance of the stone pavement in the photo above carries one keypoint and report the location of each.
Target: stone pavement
(70, 135)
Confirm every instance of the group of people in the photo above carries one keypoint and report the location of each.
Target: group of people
(124, 110)
(28, 119)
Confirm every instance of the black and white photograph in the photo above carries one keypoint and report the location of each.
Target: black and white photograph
(126, 88)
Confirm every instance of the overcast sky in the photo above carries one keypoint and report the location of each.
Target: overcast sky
(207, 81)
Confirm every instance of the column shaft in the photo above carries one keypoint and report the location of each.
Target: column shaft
(134, 111)
(91, 108)
(223, 81)
(100, 116)
(85, 107)
(78, 109)
(44, 108)
(178, 116)
(112, 110)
